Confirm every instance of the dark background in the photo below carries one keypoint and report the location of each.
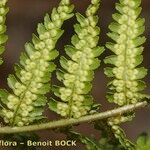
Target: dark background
(22, 21)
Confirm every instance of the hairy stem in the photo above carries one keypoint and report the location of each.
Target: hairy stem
(66, 122)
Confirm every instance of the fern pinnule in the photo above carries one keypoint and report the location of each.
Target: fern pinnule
(78, 70)
(31, 82)
(3, 38)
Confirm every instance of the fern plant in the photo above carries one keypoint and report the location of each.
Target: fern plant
(23, 105)
(3, 37)
(126, 33)
(126, 85)
(78, 70)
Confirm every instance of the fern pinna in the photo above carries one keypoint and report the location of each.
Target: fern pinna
(25, 103)
(126, 85)
(78, 70)
(3, 37)
(126, 33)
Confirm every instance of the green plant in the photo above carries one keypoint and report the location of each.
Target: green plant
(78, 69)
(126, 33)
(23, 106)
(3, 37)
(31, 81)
(126, 84)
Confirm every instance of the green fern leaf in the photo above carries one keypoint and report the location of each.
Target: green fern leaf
(78, 69)
(126, 86)
(25, 104)
(3, 38)
(126, 33)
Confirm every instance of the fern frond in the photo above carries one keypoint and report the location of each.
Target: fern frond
(126, 86)
(126, 32)
(118, 132)
(31, 82)
(112, 136)
(3, 38)
(78, 69)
